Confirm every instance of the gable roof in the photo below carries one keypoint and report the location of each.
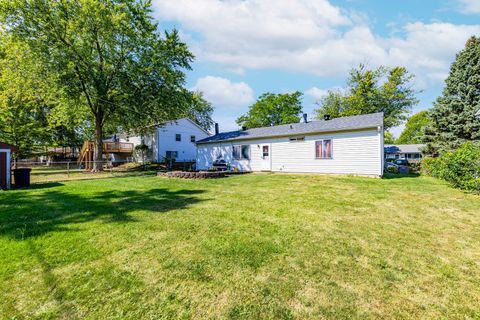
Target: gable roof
(403, 148)
(365, 121)
(134, 133)
(194, 123)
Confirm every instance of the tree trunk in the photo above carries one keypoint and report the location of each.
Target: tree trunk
(98, 151)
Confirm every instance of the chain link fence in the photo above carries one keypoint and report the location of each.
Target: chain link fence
(56, 171)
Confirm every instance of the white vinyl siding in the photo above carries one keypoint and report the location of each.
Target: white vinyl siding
(354, 152)
(164, 139)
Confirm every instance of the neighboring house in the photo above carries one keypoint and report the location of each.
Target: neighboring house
(5, 165)
(404, 151)
(175, 139)
(347, 145)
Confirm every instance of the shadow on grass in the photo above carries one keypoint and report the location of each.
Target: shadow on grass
(46, 185)
(38, 178)
(28, 215)
(50, 280)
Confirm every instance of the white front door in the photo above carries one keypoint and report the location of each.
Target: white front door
(266, 163)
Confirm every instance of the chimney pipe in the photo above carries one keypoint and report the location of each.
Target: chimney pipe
(305, 119)
(326, 117)
(244, 128)
(216, 128)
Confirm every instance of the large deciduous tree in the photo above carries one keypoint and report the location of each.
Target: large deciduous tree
(200, 111)
(387, 90)
(108, 56)
(273, 109)
(453, 114)
(415, 127)
(24, 98)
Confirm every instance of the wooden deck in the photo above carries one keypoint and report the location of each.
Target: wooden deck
(87, 151)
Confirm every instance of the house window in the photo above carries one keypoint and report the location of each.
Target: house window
(178, 137)
(241, 152)
(192, 138)
(171, 155)
(293, 139)
(323, 149)
(265, 152)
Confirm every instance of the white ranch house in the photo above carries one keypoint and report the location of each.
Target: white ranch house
(347, 145)
(176, 139)
(404, 151)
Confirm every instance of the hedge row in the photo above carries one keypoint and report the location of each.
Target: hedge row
(461, 168)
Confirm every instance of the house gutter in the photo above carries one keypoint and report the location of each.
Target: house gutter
(288, 135)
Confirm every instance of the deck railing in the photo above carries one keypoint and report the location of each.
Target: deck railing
(120, 147)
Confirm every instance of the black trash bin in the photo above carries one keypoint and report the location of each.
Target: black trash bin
(22, 177)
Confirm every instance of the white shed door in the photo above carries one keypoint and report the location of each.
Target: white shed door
(266, 163)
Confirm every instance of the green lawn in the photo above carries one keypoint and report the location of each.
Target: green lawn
(244, 247)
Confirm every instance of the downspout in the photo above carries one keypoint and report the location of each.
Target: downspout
(382, 149)
(157, 130)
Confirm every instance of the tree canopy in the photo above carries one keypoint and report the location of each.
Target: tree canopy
(415, 127)
(453, 119)
(108, 58)
(388, 138)
(200, 111)
(273, 109)
(24, 98)
(387, 90)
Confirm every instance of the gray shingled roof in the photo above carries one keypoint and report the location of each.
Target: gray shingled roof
(372, 120)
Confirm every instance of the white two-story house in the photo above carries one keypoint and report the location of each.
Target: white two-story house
(174, 139)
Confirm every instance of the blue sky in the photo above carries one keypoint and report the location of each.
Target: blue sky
(244, 48)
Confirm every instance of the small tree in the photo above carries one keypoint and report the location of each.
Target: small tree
(415, 127)
(273, 109)
(388, 138)
(387, 90)
(143, 150)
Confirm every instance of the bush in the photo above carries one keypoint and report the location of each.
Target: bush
(461, 168)
(392, 169)
(430, 166)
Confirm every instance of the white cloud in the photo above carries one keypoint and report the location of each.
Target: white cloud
(222, 92)
(429, 49)
(316, 93)
(310, 36)
(469, 6)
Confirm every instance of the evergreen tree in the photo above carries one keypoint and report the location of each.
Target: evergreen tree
(453, 115)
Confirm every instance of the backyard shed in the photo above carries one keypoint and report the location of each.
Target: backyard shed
(5, 156)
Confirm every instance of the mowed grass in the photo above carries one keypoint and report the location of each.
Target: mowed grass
(245, 247)
(47, 174)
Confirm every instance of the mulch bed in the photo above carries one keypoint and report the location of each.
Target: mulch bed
(198, 174)
(193, 175)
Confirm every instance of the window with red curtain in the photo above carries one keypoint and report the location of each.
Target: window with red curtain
(323, 149)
